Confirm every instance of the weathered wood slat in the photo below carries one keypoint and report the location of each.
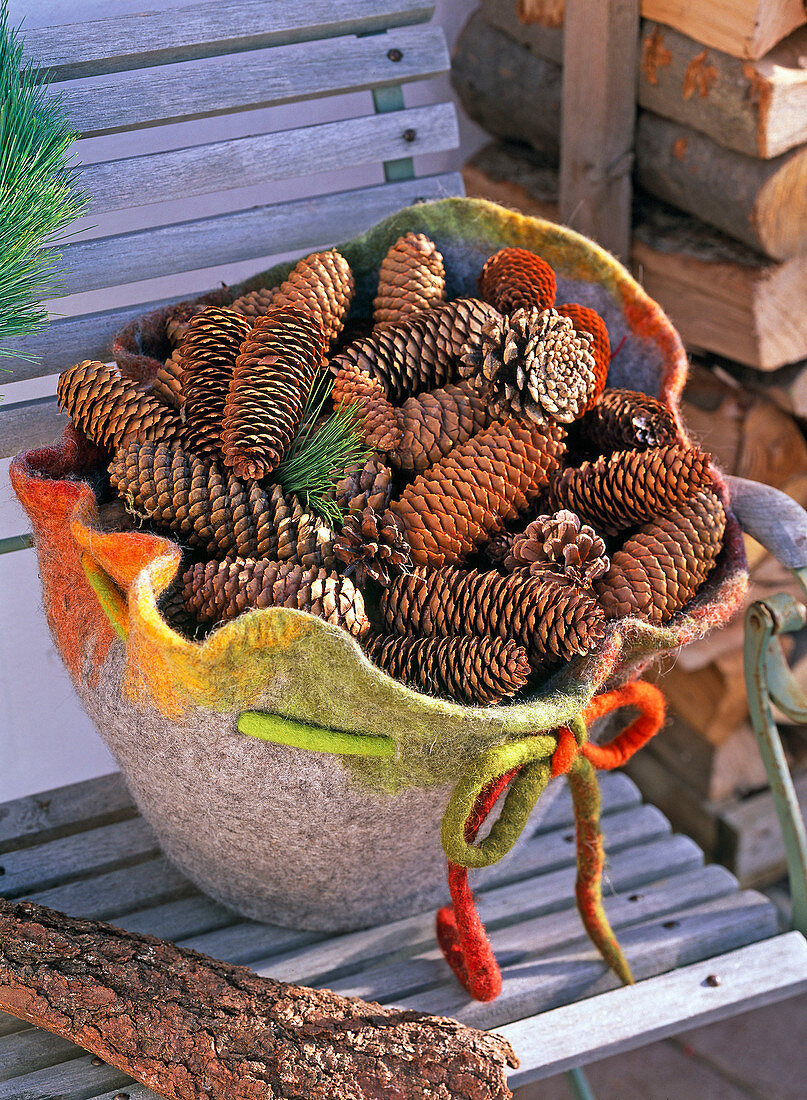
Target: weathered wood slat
(29, 424)
(617, 791)
(31, 1050)
(243, 235)
(75, 808)
(259, 78)
(205, 29)
(88, 853)
(73, 1080)
(177, 920)
(576, 971)
(107, 896)
(624, 1019)
(261, 158)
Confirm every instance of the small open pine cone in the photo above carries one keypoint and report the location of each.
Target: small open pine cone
(363, 485)
(514, 278)
(467, 669)
(532, 364)
(372, 546)
(661, 567)
(273, 376)
(411, 278)
(560, 544)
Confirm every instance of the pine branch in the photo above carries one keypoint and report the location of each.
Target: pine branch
(39, 197)
(319, 456)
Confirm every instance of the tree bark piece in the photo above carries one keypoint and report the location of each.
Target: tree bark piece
(762, 203)
(190, 1027)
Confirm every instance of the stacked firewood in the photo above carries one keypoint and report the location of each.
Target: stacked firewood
(501, 504)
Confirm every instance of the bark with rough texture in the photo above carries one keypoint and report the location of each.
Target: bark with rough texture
(190, 1027)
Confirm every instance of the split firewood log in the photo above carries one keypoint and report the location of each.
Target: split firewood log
(191, 1027)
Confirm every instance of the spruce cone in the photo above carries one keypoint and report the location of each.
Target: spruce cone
(411, 278)
(435, 422)
(372, 546)
(218, 591)
(457, 504)
(628, 420)
(177, 324)
(662, 566)
(588, 320)
(469, 670)
(208, 508)
(256, 303)
(532, 364)
(514, 278)
(562, 545)
(273, 376)
(109, 409)
(208, 353)
(321, 285)
(167, 384)
(631, 487)
(497, 549)
(365, 486)
(418, 354)
(550, 618)
(354, 386)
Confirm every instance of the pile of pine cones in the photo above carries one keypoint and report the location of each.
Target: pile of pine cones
(509, 504)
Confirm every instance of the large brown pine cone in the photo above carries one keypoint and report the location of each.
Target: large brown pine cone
(588, 320)
(552, 619)
(631, 487)
(532, 364)
(256, 303)
(109, 409)
(367, 485)
(372, 546)
(353, 386)
(208, 353)
(661, 567)
(457, 504)
(273, 376)
(628, 420)
(209, 508)
(321, 285)
(560, 544)
(434, 422)
(468, 670)
(411, 278)
(419, 354)
(514, 278)
(218, 591)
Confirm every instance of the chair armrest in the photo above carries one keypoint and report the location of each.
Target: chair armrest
(772, 518)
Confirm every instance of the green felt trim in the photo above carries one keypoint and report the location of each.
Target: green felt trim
(299, 735)
(109, 596)
(532, 755)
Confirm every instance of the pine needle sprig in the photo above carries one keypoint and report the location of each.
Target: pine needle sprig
(39, 196)
(320, 455)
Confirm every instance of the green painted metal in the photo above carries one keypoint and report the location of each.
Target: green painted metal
(578, 1085)
(385, 100)
(16, 542)
(768, 680)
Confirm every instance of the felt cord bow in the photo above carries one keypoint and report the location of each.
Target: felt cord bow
(525, 766)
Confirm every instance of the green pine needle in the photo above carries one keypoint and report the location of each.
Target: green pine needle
(317, 461)
(38, 193)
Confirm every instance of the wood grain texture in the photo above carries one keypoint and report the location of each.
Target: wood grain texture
(155, 36)
(762, 203)
(743, 28)
(600, 58)
(259, 78)
(624, 1019)
(263, 158)
(38, 818)
(758, 108)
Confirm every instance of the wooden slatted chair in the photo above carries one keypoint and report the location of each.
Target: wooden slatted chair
(83, 848)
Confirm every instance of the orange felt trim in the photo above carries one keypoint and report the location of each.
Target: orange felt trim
(564, 755)
(648, 699)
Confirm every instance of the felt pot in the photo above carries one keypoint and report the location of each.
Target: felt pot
(333, 823)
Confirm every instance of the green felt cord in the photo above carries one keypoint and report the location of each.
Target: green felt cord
(300, 735)
(109, 596)
(532, 755)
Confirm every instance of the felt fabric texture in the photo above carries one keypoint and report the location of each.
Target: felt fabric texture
(289, 664)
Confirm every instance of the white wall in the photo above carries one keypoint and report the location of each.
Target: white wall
(45, 737)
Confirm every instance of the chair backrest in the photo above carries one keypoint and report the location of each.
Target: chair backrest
(226, 61)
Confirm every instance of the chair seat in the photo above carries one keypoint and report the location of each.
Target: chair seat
(85, 850)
